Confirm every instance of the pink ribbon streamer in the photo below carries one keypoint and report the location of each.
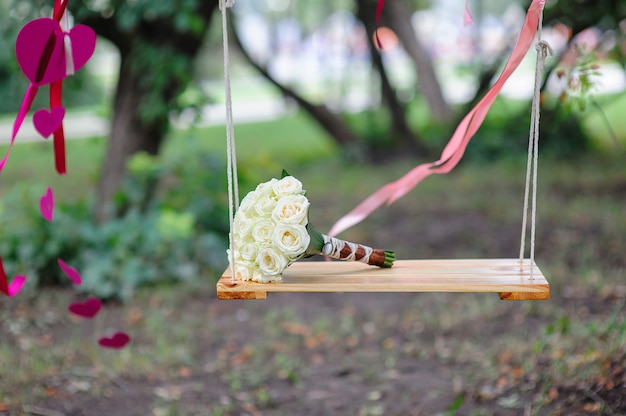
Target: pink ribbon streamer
(379, 13)
(467, 17)
(454, 150)
(31, 92)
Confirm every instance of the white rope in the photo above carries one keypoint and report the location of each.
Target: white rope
(543, 50)
(231, 154)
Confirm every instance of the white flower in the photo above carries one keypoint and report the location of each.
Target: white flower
(292, 209)
(266, 188)
(265, 205)
(291, 240)
(257, 276)
(243, 271)
(271, 262)
(242, 225)
(247, 251)
(262, 231)
(269, 230)
(247, 204)
(287, 186)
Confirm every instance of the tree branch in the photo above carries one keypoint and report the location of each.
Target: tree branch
(329, 121)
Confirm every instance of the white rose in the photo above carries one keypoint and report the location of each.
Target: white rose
(287, 186)
(247, 204)
(247, 251)
(262, 231)
(266, 188)
(265, 205)
(244, 272)
(291, 240)
(257, 276)
(271, 262)
(242, 225)
(292, 209)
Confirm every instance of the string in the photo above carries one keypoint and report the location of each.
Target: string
(231, 166)
(543, 51)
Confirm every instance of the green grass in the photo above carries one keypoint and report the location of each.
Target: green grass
(32, 164)
(251, 354)
(596, 124)
(266, 148)
(254, 352)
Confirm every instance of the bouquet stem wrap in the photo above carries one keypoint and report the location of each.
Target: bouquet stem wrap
(345, 250)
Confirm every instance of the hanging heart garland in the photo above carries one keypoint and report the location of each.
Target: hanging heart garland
(48, 50)
(41, 50)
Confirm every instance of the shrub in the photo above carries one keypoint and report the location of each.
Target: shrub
(180, 235)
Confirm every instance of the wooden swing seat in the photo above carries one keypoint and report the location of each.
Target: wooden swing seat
(503, 276)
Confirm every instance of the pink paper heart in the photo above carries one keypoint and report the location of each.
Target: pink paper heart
(47, 122)
(42, 37)
(87, 309)
(70, 272)
(117, 341)
(46, 205)
(16, 285)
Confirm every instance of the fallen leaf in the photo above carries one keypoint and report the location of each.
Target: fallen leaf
(553, 394)
(592, 407)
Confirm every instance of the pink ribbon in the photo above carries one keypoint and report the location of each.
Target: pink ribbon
(454, 150)
(379, 13)
(31, 92)
(56, 88)
(467, 17)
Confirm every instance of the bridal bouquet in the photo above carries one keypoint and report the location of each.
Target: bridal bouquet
(271, 230)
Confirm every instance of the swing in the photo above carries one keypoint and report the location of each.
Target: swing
(512, 278)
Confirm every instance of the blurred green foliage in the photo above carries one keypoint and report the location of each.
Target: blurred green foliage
(158, 42)
(178, 236)
(503, 134)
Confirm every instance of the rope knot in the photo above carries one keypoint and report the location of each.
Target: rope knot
(544, 49)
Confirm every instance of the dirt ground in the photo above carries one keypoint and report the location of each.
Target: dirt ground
(348, 354)
(389, 359)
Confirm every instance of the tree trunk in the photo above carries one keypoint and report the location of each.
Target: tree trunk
(157, 56)
(399, 19)
(407, 139)
(130, 132)
(129, 135)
